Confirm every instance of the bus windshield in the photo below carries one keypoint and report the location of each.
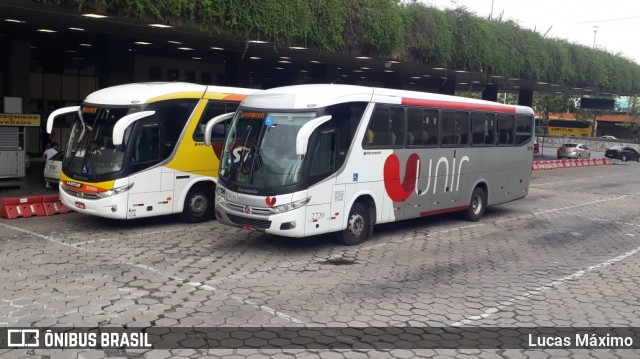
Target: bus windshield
(90, 150)
(260, 149)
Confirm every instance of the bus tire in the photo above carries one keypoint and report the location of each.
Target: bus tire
(358, 225)
(477, 204)
(198, 205)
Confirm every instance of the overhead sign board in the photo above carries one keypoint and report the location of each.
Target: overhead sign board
(18, 119)
(597, 103)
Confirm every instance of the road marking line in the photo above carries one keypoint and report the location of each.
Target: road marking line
(248, 302)
(567, 181)
(543, 288)
(127, 237)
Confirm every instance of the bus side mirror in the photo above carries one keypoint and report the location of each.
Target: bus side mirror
(212, 122)
(59, 112)
(302, 139)
(123, 123)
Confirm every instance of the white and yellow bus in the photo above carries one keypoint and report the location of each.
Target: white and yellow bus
(311, 159)
(137, 150)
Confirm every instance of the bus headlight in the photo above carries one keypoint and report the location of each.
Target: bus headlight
(115, 191)
(291, 206)
(220, 195)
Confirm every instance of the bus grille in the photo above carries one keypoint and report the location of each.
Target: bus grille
(258, 223)
(79, 194)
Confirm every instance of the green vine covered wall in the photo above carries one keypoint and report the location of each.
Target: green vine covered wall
(391, 29)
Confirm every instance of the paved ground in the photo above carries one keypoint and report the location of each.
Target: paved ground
(565, 256)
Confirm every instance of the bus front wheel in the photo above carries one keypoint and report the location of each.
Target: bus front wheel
(358, 225)
(477, 204)
(198, 205)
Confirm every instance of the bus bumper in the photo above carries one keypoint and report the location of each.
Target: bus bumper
(114, 207)
(288, 224)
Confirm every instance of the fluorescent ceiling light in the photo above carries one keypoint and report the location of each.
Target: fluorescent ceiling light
(76, 29)
(284, 62)
(460, 71)
(46, 30)
(161, 26)
(255, 58)
(15, 21)
(297, 48)
(196, 58)
(388, 71)
(95, 16)
(142, 43)
(415, 77)
(363, 58)
(174, 42)
(365, 68)
(315, 62)
(86, 45)
(216, 48)
(285, 57)
(258, 42)
(185, 48)
(439, 68)
(463, 83)
(279, 68)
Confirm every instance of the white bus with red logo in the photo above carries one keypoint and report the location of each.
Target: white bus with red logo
(311, 159)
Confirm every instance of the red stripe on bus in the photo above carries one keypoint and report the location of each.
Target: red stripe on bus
(445, 210)
(458, 105)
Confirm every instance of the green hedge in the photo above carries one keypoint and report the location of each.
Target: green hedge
(387, 28)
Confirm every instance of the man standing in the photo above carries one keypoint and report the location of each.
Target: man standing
(48, 153)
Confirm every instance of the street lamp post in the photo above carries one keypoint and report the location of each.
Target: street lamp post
(595, 31)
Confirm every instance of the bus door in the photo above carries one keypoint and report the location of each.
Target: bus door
(145, 198)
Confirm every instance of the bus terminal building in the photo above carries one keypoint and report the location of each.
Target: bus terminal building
(55, 55)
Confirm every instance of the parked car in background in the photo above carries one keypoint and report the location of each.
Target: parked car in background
(622, 153)
(573, 150)
(608, 137)
(52, 169)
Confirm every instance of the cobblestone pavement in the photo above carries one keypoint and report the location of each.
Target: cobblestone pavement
(565, 256)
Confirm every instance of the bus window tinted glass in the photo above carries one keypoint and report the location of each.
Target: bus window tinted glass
(524, 129)
(385, 128)
(422, 127)
(482, 129)
(448, 128)
(505, 129)
(214, 108)
(462, 128)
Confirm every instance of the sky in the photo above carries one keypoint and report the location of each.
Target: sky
(617, 21)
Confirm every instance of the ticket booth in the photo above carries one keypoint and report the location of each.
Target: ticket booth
(13, 154)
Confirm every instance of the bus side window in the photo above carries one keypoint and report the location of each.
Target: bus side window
(506, 124)
(448, 128)
(324, 151)
(524, 129)
(462, 128)
(213, 109)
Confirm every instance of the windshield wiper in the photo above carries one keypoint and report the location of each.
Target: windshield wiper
(257, 162)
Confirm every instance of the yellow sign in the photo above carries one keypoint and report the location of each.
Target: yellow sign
(18, 119)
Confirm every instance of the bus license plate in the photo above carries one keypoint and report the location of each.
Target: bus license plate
(249, 227)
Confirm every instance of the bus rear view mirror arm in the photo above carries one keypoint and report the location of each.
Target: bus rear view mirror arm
(212, 122)
(302, 140)
(123, 123)
(59, 112)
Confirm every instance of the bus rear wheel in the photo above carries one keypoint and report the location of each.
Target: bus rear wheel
(477, 204)
(358, 225)
(198, 205)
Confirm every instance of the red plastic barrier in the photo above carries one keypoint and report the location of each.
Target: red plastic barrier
(606, 161)
(52, 205)
(25, 207)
